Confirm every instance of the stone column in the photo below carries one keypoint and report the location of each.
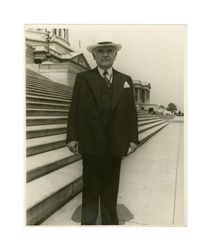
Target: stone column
(67, 33)
(54, 31)
(139, 95)
(60, 32)
(144, 95)
(136, 95)
(148, 96)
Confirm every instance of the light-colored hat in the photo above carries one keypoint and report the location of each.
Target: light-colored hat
(104, 39)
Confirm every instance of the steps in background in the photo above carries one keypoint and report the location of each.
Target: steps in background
(53, 173)
(37, 120)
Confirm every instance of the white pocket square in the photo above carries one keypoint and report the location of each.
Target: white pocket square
(126, 85)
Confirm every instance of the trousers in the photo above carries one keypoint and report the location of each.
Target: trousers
(100, 187)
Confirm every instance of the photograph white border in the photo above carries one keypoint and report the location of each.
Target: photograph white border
(196, 15)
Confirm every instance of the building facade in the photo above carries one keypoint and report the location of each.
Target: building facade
(142, 94)
(49, 53)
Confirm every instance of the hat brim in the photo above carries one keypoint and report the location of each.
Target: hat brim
(104, 44)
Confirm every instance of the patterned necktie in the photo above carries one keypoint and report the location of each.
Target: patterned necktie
(106, 77)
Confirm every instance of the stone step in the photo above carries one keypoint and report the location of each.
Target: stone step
(47, 143)
(38, 145)
(42, 83)
(49, 161)
(55, 89)
(70, 213)
(45, 130)
(145, 115)
(144, 136)
(33, 98)
(145, 122)
(49, 91)
(44, 105)
(150, 126)
(49, 112)
(41, 164)
(43, 120)
(44, 144)
(141, 118)
(46, 112)
(55, 129)
(48, 193)
(41, 93)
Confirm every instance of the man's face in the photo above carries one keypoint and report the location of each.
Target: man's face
(105, 56)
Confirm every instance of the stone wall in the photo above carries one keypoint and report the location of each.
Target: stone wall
(29, 54)
(64, 73)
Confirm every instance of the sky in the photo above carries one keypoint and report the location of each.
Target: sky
(151, 53)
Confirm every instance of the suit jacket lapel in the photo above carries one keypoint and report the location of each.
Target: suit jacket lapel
(118, 88)
(94, 84)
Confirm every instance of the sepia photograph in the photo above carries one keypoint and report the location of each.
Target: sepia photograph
(105, 125)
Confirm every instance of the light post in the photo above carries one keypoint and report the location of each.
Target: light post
(49, 38)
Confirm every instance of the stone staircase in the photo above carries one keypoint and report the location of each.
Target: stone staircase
(53, 174)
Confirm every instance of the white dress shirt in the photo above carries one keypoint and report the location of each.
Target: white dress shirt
(110, 73)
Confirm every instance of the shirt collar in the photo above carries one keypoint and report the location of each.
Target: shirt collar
(110, 71)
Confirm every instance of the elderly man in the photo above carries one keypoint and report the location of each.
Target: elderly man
(102, 126)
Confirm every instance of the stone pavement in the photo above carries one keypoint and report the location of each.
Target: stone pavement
(152, 190)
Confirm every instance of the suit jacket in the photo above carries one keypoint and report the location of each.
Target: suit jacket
(85, 115)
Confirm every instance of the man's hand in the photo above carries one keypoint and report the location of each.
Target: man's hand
(132, 148)
(73, 146)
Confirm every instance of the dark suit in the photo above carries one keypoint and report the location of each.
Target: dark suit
(104, 122)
